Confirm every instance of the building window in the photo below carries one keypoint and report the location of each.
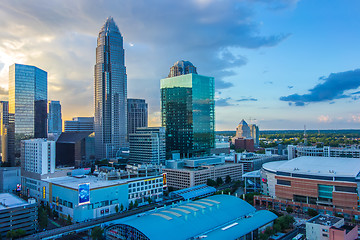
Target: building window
(284, 182)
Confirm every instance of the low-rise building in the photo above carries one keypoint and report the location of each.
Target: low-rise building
(87, 197)
(191, 172)
(326, 151)
(10, 179)
(328, 185)
(16, 213)
(324, 227)
(214, 217)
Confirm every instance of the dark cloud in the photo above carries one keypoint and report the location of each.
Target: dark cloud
(247, 100)
(331, 88)
(223, 102)
(290, 87)
(268, 82)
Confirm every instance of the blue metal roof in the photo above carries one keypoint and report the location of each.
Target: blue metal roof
(194, 192)
(194, 218)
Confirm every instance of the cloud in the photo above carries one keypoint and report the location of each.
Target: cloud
(247, 100)
(3, 91)
(290, 87)
(331, 88)
(59, 36)
(324, 119)
(223, 102)
(268, 82)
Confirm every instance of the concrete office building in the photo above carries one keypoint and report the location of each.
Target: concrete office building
(242, 131)
(147, 146)
(15, 213)
(326, 151)
(80, 124)
(187, 111)
(187, 173)
(110, 92)
(38, 156)
(75, 149)
(54, 117)
(10, 177)
(214, 217)
(137, 114)
(326, 184)
(28, 102)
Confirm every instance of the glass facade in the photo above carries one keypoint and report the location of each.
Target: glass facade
(28, 102)
(110, 92)
(187, 112)
(54, 117)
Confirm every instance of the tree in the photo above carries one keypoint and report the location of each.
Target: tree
(121, 207)
(289, 209)
(131, 205)
(68, 220)
(97, 233)
(210, 183)
(117, 208)
(227, 179)
(15, 233)
(136, 204)
(42, 217)
(285, 222)
(312, 213)
(149, 200)
(219, 181)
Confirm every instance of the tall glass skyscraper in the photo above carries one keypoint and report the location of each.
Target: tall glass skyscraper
(110, 92)
(54, 117)
(187, 111)
(28, 102)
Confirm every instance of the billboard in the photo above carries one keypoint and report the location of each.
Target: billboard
(84, 193)
(164, 180)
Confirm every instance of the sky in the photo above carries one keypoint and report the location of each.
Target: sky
(281, 64)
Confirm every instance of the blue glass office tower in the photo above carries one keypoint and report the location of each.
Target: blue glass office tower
(187, 111)
(54, 117)
(110, 92)
(28, 102)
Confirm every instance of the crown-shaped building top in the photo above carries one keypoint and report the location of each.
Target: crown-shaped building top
(181, 68)
(110, 26)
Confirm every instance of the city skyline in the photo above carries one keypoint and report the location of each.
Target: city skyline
(284, 63)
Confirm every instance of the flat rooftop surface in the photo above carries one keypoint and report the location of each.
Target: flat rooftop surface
(325, 220)
(8, 200)
(326, 166)
(95, 182)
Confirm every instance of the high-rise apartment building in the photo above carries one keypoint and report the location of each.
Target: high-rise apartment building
(187, 111)
(54, 117)
(80, 124)
(110, 92)
(28, 102)
(147, 146)
(137, 111)
(38, 156)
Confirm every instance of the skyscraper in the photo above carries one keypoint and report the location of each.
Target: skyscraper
(54, 117)
(110, 92)
(28, 102)
(80, 124)
(7, 134)
(187, 111)
(255, 133)
(137, 111)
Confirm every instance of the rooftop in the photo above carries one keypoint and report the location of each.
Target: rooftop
(8, 200)
(214, 217)
(325, 220)
(95, 182)
(325, 166)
